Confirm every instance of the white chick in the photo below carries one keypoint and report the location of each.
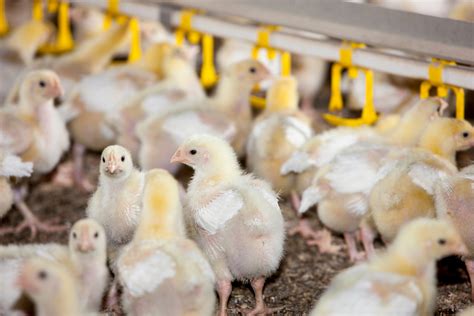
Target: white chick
(226, 114)
(400, 281)
(116, 204)
(237, 219)
(10, 166)
(35, 131)
(163, 272)
(52, 288)
(278, 132)
(84, 257)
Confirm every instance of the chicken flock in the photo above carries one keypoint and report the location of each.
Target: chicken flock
(153, 245)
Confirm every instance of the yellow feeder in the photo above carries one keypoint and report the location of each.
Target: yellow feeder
(185, 29)
(369, 115)
(263, 42)
(3, 19)
(435, 79)
(135, 52)
(64, 41)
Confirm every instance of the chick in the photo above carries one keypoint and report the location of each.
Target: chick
(237, 219)
(454, 197)
(35, 131)
(116, 204)
(407, 191)
(226, 114)
(400, 281)
(163, 272)
(51, 287)
(276, 134)
(10, 166)
(88, 22)
(179, 84)
(341, 187)
(84, 257)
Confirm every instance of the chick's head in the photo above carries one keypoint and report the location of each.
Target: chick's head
(430, 239)
(282, 95)
(41, 278)
(248, 72)
(116, 162)
(87, 237)
(205, 153)
(448, 135)
(41, 86)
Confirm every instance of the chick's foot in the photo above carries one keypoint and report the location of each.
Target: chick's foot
(260, 308)
(321, 238)
(67, 176)
(354, 254)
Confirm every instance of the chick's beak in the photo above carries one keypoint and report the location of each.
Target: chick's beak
(56, 90)
(111, 167)
(85, 244)
(179, 157)
(461, 249)
(23, 282)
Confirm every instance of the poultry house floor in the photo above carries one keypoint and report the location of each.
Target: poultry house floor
(301, 279)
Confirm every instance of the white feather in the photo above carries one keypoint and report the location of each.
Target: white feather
(357, 205)
(297, 132)
(334, 143)
(310, 197)
(181, 126)
(107, 131)
(146, 275)
(298, 162)
(219, 211)
(156, 103)
(425, 177)
(12, 166)
(268, 195)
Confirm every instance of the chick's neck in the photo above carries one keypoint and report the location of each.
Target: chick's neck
(222, 171)
(65, 302)
(438, 145)
(232, 95)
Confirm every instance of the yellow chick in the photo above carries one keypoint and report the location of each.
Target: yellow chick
(226, 114)
(116, 204)
(35, 131)
(179, 85)
(454, 196)
(400, 281)
(88, 22)
(84, 258)
(51, 287)
(407, 190)
(278, 132)
(163, 272)
(341, 185)
(236, 218)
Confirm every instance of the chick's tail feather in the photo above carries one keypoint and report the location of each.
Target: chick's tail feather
(311, 196)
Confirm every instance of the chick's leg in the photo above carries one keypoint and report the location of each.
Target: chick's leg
(354, 254)
(80, 180)
(224, 288)
(30, 220)
(295, 201)
(470, 271)
(260, 308)
(367, 236)
(320, 238)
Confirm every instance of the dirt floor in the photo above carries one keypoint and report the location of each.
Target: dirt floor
(302, 277)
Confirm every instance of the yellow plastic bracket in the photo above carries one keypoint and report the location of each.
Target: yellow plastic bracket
(64, 41)
(185, 28)
(53, 6)
(135, 52)
(112, 12)
(285, 64)
(435, 79)
(37, 13)
(3, 19)
(369, 115)
(208, 71)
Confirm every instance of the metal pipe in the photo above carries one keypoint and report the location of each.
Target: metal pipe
(327, 49)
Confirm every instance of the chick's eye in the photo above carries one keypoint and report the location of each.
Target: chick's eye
(465, 134)
(252, 70)
(42, 84)
(442, 241)
(122, 158)
(193, 151)
(96, 235)
(103, 159)
(42, 275)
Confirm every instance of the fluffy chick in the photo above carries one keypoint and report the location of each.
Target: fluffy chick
(116, 204)
(276, 134)
(163, 272)
(407, 191)
(84, 257)
(400, 281)
(52, 288)
(10, 166)
(237, 219)
(454, 197)
(35, 131)
(226, 114)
